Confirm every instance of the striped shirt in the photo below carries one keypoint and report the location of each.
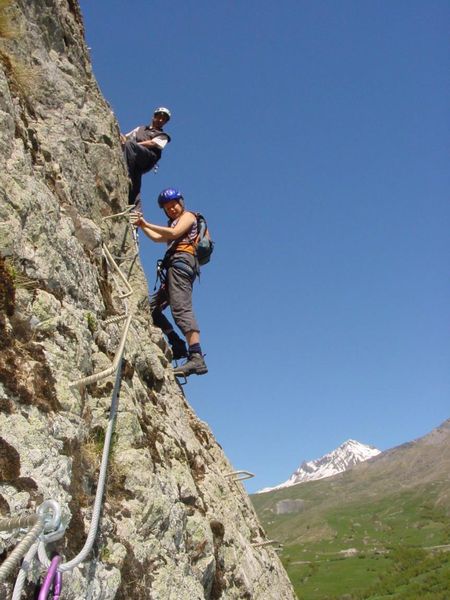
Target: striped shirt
(187, 242)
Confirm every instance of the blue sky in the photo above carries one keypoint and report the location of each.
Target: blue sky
(314, 138)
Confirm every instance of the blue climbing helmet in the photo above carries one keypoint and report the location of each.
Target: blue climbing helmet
(168, 195)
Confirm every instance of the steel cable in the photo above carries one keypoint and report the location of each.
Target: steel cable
(81, 556)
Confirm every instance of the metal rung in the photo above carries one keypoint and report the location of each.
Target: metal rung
(267, 543)
(239, 475)
(113, 368)
(124, 213)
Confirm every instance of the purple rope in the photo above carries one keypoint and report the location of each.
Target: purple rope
(52, 576)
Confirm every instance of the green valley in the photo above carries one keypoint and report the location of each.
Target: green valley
(380, 530)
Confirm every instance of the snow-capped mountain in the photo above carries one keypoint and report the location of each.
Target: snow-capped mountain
(344, 457)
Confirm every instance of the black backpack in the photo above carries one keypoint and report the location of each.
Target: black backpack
(204, 245)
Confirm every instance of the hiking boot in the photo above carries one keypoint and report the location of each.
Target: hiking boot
(179, 349)
(195, 365)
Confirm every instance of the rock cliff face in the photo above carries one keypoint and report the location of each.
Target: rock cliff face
(172, 527)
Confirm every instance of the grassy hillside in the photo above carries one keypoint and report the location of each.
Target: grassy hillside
(381, 530)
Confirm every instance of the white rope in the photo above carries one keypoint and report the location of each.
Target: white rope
(22, 548)
(24, 568)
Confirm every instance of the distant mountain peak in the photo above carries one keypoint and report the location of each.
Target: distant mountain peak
(342, 458)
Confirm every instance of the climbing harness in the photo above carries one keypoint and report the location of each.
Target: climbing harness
(184, 267)
(163, 264)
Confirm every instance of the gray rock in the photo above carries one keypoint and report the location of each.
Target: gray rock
(172, 526)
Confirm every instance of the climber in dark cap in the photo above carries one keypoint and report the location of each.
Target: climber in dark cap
(142, 149)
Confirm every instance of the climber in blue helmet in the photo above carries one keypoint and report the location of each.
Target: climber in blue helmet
(142, 149)
(177, 272)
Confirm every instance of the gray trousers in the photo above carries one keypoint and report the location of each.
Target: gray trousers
(176, 292)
